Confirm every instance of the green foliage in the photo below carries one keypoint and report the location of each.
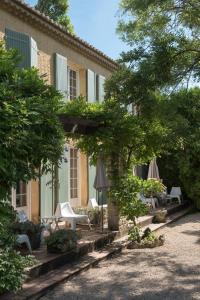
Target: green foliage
(30, 132)
(148, 236)
(164, 57)
(163, 36)
(134, 234)
(61, 241)
(126, 193)
(57, 10)
(7, 218)
(31, 136)
(12, 267)
(138, 137)
(152, 187)
(186, 107)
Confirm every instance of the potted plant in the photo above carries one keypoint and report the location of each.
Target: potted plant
(62, 241)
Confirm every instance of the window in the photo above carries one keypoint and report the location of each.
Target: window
(21, 194)
(73, 173)
(72, 84)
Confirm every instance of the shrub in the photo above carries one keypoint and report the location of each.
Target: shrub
(152, 187)
(12, 266)
(135, 234)
(148, 235)
(127, 194)
(61, 241)
(7, 217)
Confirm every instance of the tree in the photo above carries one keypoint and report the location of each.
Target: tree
(122, 138)
(57, 10)
(164, 40)
(184, 120)
(30, 132)
(164, 57)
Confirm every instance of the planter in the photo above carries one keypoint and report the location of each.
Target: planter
(35, 241)
(147, 244)
(62, 241)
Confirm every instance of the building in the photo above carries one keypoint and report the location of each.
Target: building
(75, 68)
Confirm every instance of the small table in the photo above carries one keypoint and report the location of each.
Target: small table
(50, 220)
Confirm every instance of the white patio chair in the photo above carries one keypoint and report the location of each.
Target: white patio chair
(153, 201)
(23, 238)
(92, 203)
(66, 213)
(175, 194)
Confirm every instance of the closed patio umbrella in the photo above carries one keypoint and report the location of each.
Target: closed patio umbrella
(101, 182)
(153, 170)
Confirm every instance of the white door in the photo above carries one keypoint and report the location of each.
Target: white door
(21, 198)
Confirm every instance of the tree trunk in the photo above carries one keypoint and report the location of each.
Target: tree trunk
(113, 216)
(113, 207)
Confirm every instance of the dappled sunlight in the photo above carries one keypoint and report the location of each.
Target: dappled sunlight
(170, 272)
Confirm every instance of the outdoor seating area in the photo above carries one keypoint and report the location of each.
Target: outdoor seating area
(88, 221)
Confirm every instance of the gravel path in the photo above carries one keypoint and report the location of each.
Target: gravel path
(170, 272)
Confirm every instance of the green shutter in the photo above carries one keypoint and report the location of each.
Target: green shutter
(101, 91)
(63, 176)
(92, 174)
(91, 86)
(61, 75)
(34, 53)
(21, 42)
(46, 195)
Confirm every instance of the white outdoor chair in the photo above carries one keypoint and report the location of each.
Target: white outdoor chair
(175, 194)
(92, 203)
(152, 201)
(65, 212)
(23, 238)
(22, 217)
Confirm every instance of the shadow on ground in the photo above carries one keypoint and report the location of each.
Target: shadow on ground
(171, 272)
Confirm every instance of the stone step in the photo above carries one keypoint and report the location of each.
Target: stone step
(49, 262)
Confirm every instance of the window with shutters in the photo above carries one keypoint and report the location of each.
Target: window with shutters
(26, 46)
(72, 84)
(73, 173)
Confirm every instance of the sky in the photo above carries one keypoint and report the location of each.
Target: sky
(95, 21)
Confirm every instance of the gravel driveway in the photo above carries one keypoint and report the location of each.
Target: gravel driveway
(170, 272)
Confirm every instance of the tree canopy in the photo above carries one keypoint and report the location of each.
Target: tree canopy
(164, 40)
(30, 132)
(158, 75)
(57, 10)
(131, 138)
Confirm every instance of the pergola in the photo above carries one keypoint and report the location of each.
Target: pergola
(78, 125)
